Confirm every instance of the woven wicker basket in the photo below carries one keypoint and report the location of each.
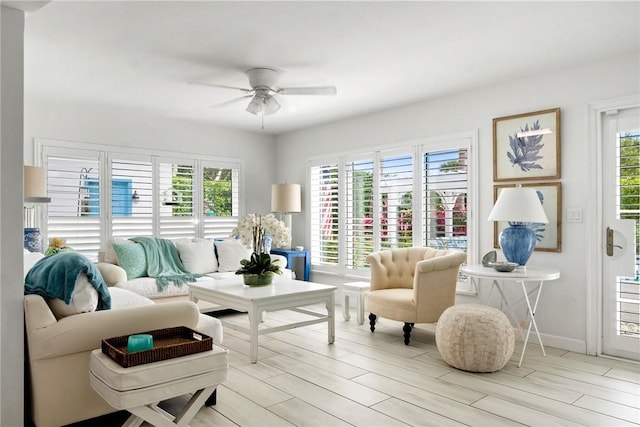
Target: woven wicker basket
(167, 344)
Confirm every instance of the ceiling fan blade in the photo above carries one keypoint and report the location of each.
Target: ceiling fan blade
(221, 86)
(312, 90)
(232, 101)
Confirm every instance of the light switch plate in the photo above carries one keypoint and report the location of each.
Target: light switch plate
(574, 214)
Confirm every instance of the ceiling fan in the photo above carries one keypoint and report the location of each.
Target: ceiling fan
(263, 82)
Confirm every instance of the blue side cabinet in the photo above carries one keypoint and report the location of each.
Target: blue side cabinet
(290, 254)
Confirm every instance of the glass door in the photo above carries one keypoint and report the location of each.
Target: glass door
(621, 230)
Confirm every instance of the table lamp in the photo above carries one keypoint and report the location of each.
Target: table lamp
(34, 191)
(285, 198)
(519, 206)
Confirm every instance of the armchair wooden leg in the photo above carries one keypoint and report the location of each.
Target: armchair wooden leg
(407, 332)
(372, 322)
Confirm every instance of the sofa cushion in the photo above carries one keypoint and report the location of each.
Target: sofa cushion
(109, 254)
(84, 299)
(147, 287)
(197, 255)
(230, 252)
(121, 298)
(132, 259)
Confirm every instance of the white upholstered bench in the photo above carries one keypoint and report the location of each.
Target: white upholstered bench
(138, 389)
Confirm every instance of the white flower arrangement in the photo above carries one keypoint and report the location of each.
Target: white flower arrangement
(280, 234)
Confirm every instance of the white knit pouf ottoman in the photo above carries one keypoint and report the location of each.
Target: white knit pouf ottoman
(475, 338)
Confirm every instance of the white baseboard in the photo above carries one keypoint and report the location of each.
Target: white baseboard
(563, 343)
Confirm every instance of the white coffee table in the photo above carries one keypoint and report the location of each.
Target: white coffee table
(283, 294)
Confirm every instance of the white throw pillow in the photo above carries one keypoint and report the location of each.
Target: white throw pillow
(28, 260)
(197, 255)
(110, 253)
(84, 299)
(230, 252)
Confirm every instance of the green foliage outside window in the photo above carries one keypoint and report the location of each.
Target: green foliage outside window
(218, 192)
(362, 215)
(217, 188)
(183, 184)
(405, 221)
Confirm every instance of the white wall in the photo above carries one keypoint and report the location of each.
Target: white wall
(11, 290)
(54, 119)
(561, 315)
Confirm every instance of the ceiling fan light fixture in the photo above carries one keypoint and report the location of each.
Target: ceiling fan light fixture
(271, 105)
(255, 106)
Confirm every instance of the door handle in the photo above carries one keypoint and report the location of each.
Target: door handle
(610, 244)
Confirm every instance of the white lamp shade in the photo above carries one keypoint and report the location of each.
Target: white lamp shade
(518, 204)
(285, 198)
(35, 185)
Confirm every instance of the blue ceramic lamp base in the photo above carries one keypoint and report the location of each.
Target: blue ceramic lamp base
(517, 243)
(32, 239)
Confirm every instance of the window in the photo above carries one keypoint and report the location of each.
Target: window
(387, 199)
(177, 217)
(445, 208)
(396, 201)
(73, 183)
(147, 195)
(220, 199)
(325, 215)
(628, 198)
(131, 195)
(359, 214)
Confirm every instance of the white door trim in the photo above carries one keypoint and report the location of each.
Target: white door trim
(593, 321)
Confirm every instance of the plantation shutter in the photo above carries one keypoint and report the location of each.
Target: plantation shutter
(323, 205)
(220, 186)
(73, 184)
(176, 207)
(395, 201)
(359, 215)
(131, 196)
(445, 201)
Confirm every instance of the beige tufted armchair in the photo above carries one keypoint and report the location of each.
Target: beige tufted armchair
(412, 285)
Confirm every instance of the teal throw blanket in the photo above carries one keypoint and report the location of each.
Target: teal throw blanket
(163, 262)
(55, 277)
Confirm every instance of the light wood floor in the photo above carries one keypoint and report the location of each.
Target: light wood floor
(367, 379)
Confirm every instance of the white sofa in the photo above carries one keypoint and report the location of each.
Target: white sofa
(60, 337)
(59, 350)
(215, 259)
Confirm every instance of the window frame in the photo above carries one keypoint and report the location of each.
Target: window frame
(417, 149)
(45, 148)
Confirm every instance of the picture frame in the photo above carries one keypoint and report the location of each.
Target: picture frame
(549, 235)
(527, 146)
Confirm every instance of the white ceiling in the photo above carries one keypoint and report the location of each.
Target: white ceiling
(378, 54)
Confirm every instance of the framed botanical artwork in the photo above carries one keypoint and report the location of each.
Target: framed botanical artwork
(527, 146)
(548, 236)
